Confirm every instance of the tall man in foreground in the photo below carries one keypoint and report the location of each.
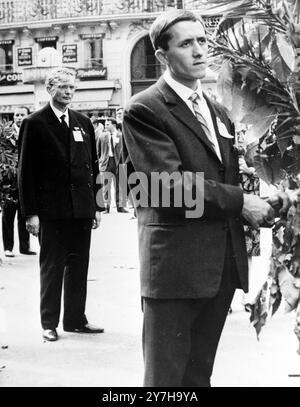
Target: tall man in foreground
(190, 266)
(57, 186)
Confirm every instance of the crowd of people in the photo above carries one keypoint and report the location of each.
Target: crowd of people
(190, 266)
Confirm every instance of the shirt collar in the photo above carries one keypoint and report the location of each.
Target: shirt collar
(182, 91)
(58, 113)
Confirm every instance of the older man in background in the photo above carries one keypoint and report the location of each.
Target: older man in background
(57, 183)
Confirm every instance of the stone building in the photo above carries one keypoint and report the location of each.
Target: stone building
(105, 41)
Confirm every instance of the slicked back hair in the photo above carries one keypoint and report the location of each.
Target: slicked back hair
(159, 30)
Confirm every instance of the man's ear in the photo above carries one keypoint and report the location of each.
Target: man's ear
(48, 88)
(161, 56)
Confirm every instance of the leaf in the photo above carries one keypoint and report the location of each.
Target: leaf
(297, 326)
(252, 150)
(259, 310)
(269, 169)
(275, 296)
(224, 84)
(289, 288)
(286, 51)
(261, 118)
(278, 62)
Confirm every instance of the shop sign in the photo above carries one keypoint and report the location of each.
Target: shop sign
(7, 42)
(46, 39)
(69, 53)
(24, 56)
(10, 78)
(91, 36)
(92, 74)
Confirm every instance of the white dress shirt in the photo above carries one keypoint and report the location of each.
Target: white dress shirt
(185, 93)
(58, 113)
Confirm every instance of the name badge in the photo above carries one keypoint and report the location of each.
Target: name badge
(77, 135)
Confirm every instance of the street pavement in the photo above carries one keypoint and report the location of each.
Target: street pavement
(114, 359)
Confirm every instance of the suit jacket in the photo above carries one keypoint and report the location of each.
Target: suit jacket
(57, 175)
(182, 257)
(103, 140)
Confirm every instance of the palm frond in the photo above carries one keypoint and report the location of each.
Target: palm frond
(257, 10)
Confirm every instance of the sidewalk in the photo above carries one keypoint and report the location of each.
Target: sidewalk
(114, 359)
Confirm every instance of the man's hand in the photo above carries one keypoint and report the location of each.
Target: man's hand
(33, 225)
(280, 201)
(96, 220)
(257, 211)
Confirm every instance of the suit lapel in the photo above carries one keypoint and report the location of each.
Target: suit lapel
(225, 144)
(52, 120)
(181, 111)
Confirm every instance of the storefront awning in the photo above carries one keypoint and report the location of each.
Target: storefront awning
(8, 103)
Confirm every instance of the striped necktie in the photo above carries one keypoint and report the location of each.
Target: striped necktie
(195, 98)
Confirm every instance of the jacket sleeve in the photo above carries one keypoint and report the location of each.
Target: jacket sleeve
(150, 148)
(26, 169)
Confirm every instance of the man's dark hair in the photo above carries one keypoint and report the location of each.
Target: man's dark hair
(23, 107)
(159, 31)
(112, 119)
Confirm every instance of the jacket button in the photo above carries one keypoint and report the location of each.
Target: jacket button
(72, 186)
(87, 166)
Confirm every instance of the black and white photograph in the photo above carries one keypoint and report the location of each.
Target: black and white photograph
(149, 197)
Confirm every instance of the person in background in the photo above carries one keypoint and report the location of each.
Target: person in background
(12, 207)
(58, 169)
(109, 151)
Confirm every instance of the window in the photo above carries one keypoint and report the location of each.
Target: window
(6, 57)
(145, 68)
(45, 44)
(94, 53)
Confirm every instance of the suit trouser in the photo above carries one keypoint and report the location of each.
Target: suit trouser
(111, 175)
(64, 260)
(8, 217)
(181, 336)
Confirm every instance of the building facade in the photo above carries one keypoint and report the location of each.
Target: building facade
(105, 41)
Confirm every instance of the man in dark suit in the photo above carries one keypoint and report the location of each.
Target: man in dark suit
(108, 149)
(57, 184)
(12, 207)
(191, 263)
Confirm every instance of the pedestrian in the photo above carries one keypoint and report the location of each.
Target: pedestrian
(11, 206)
(57, 183)
(109, 149)
(190, 266)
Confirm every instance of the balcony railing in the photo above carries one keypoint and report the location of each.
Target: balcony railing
(26, 11)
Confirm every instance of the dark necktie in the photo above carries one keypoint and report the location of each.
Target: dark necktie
(112, 145)
(64, 125)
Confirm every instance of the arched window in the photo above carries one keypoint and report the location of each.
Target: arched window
(145, 68)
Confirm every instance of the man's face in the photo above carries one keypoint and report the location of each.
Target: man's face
(19, 115)
(109, 125)
(62, 91)
(187, 53)
(119, 115)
